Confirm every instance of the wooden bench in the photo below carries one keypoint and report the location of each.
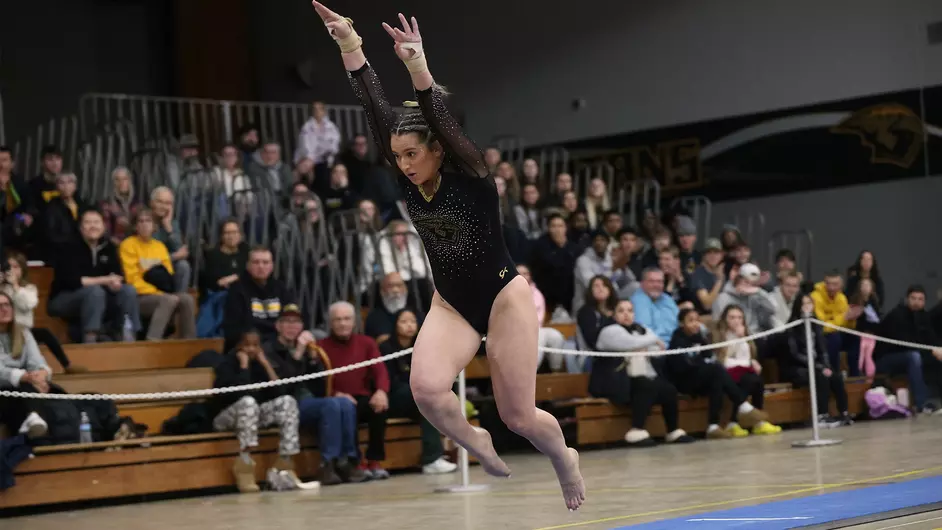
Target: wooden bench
(42, 278)
(141, 355)
(137, 381)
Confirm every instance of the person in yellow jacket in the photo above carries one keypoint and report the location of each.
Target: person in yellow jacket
(140, 253)
(831, 306)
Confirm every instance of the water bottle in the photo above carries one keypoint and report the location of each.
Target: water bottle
(129, 334)
(85, 430)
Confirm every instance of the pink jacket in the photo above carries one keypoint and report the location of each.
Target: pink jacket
(540, 304)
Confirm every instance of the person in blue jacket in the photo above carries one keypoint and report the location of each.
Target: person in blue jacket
(654, 309)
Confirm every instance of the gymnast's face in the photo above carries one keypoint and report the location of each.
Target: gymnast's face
(418, 161)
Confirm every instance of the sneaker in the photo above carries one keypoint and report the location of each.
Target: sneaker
(719, 434)
(766, 428)
(826, 421)
(752, 418)
(244, 472)
(736, 431)
(639, 438)
(846, 419)
(679, 436)
(377, 472)
(351, 473)
(929, 409)
(34, 426)
(327, 475)
(439, 467)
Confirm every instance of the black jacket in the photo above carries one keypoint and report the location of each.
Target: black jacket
(904, 324)
(590, 323)
(552, 268)
(59, 228)
(39, 193)
(679, 368)
(250, 305)
(218, 264)
(797, 358)
(84, 261)
(230, 373)
(285, 365)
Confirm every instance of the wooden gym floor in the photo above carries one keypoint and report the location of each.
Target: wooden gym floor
(626, 487)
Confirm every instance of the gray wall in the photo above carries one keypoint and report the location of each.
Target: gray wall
(53, 51)
(897, 221)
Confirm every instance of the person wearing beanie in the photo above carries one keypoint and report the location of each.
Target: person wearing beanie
(690, 257)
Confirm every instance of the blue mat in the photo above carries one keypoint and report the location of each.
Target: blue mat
(812, 510)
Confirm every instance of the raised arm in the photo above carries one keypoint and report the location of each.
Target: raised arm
(366, 85)
(463, 152)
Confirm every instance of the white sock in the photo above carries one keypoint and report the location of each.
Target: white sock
(746, 407)
(32, 420)
(636, 435)
(713, 427)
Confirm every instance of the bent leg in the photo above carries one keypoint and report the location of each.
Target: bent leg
(445, 345)
(511, 346)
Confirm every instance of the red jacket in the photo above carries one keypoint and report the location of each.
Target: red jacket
(362, 382)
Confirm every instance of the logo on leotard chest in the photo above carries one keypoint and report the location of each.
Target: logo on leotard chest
(438, 229)
(502, 273)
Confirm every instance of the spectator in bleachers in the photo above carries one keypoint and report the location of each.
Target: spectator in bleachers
(229, 174)
(548, 337)
(660, 242)
(255, 300)
(866, 267)
(831, 306)
(553, 262)
(910, 322)
(319, 139)
(90, 287)
(370, 233)
(740, 361)
(304, 173)
(865, 298)
(60, 220)
(506, 171)
(634, 380)
(12, 188)
(597, 202)
(248, 142)
(507, 204)
(167, 231)
(696, 374)
(785, 264)
(293, 353)
(369, 387)
(149, 269)
(570, 203)
(492, 158)
(676, 281)
(185, 162)
(401, 402)
(401, 251)
(220, 269)
(121, 206)
(653, 308)
(744, 292)
(710, 277)
(612, 223)
(579, 232)
(359, 163)
(785, 296)
(25, 297)
(528, 212)
(43, 187)
(623, 274)
(394, 297)
(23, 369)
(828, 380)
(531, 172)
(597, 312)
(690, 257)
(596, 260)
(338, 196)
(731, 237)
(561, 186)
(268, 171)
(247, 412)
(633, 248)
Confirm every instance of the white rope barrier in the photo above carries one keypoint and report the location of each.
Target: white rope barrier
(183, 394)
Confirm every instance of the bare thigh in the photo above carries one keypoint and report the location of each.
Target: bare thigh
(444, 347)
(512, 340)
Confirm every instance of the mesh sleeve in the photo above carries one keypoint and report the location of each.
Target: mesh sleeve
(379, 115)
(464, 154)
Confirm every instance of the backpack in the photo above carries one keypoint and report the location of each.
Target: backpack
(103, 418)
(61, 415)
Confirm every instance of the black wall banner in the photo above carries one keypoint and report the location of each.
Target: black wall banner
(826, 145)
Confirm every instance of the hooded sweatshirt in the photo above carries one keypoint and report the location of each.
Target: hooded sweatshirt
(830, 309)
(588, 265)
(254, 305)
(758, 307)
(618, 338)
(783, 308)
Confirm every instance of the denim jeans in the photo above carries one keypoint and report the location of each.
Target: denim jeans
(209, 321)
(837, 341)
(908, 363)
(336, 422)
(88, 305)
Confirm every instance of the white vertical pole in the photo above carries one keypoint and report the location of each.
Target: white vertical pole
(463, 464)
(812, 388)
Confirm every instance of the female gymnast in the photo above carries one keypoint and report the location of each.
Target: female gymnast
(453, 203)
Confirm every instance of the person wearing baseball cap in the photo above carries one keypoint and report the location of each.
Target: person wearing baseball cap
(744, 290)
(709, 278)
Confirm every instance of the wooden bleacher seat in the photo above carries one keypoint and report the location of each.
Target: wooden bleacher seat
(137, 381)
(42, 277)
(141, 355)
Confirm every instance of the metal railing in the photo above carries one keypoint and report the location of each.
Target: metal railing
(62, 133)
(585, 173)
(553, 161)
(700, 209)
(752, 228)
(637, 195)
(511, 148)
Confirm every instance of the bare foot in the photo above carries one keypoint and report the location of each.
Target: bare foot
(486, 454)
(570, 480)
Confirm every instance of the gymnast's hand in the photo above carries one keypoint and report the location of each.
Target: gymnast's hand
(341, 29)
(408, 39)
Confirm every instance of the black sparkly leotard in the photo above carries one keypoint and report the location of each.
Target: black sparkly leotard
(460, 227)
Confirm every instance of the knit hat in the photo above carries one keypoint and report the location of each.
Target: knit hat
(686, 226)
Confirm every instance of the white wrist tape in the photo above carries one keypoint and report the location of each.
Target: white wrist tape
(417, 63)
(351, 42)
